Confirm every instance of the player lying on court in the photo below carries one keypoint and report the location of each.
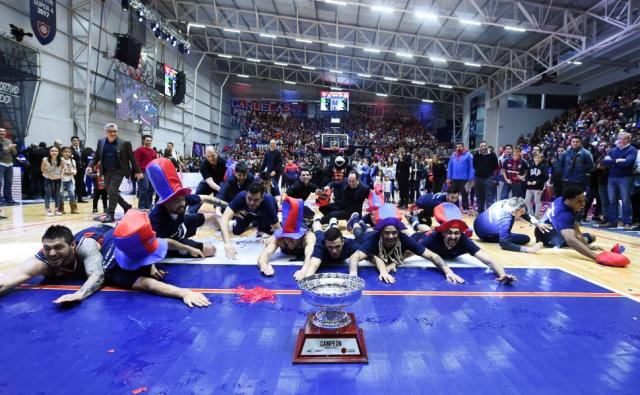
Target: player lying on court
(123, 257)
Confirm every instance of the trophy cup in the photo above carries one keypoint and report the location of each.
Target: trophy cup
(331, 335)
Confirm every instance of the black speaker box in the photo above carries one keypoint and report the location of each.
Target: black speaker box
(181, 88)
(128, 50)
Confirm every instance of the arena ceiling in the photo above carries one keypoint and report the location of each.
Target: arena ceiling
(437, 50)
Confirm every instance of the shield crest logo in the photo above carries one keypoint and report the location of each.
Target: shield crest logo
(43, 29)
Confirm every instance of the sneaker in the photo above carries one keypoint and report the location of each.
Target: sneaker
(627, 227)
(94, 212)
(333, 222)
(48, 213)
(58, 212)
(107, 219)
(355, 217)
(606, 225)
(127, 208)
(363, 226)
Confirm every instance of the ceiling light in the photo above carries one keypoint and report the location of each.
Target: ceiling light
(281, 64)
(302, 40)
(404, 55)
(336, 45)
(436, 59)
(418, 82)
(243, 76)
(472, 64)
(470, 22)
(364, 75)
(340, 3)
(515, 29)
(196, 25)
(577, 63)
(225, 56)
(308, 67)
(427, 15)
(268, 35)
(253, 60)
(118, 100)
(382, 94)
(335, 88)
(231, 30)
(427, 101)
(290, 82)
(335, 71)
(379, 8)
(390, 79)
(444, 86)
(372, 50)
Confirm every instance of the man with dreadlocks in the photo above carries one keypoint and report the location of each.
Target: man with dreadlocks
(387, 247)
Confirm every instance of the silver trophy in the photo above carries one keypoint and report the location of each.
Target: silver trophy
(332, 292)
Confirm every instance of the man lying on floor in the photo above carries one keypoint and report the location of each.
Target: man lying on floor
(449, 240)
(123, 257)
(292, 239)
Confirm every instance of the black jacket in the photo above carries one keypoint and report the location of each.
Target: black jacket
(350, 199)
(127, 161)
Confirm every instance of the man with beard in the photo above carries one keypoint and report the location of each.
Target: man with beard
(450, 240)
(301, 189)
(63, 256)
(348, 199)
(168, 217)
(387, 247)
(249, 208)
(212, 170)
(429, 201)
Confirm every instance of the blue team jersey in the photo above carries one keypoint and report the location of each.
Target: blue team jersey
(268, 209)
(496, 221)
(320, 251)
(183, 226)
(429, 201)
(370, 244)
(560, 216)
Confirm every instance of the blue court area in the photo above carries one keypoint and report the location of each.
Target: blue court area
(552, 333)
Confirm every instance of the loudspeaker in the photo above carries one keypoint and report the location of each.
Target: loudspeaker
(128, 50)
(181, 88)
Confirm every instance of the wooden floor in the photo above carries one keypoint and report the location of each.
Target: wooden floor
(20, 236)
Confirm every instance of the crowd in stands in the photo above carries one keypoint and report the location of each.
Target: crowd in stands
(592, 146)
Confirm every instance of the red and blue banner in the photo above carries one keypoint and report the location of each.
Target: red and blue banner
(43, 19)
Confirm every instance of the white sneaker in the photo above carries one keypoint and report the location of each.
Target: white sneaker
(48, 213)
(333, 222)
(58, 212)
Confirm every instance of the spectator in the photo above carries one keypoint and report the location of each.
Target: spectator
(403, 172)
(537, 175)
(272, 162)
(577, 165)
(69, 171)
(484, 165)
(8, 153)
(438, 173)
(144, 155)
(621, 160)
(116, 160)
(81, 165)
(213, 171)
(460, 171)
(348, 199)
(51, 168)
(514, 171)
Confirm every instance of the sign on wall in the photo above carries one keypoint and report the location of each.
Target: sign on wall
(43, 20)
(242, 110)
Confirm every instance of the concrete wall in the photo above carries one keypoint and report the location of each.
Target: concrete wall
(52, 116)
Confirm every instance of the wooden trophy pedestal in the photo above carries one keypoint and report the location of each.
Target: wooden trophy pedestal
(320, 345)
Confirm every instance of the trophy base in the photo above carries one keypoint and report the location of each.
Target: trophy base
(320, 345)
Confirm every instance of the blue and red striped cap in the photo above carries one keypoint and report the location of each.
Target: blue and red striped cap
(165, 180)
(292, 219)
(449, 216)
(136, 244)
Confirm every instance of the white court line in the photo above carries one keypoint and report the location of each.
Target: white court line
(634, 298)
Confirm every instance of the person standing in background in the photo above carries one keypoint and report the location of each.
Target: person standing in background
(403, 172)
(81, 165)
(144, 155)
(460, 171)
(116, 159)
(484, 165)
(537, 176)
(272, 162)
(8, 153)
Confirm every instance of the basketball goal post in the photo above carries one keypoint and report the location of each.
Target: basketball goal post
(334, 142)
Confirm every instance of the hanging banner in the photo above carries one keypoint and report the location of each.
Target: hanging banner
(19, 78)
(242, 111)
(43, 20)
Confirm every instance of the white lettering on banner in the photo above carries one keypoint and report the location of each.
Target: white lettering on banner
(9, 89)
(337, 346)
(5, 99)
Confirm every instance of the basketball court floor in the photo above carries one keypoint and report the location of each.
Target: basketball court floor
(567, 326)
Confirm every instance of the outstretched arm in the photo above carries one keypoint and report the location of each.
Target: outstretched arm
(30, 268)
(263, 258)
(354, 259)
(572, 241)
(308, 269)
(497, 268)
(154, 286)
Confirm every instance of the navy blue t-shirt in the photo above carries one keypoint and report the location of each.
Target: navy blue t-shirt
(429, 201)
(321, 252)
(435, 243)
(267, 209)
(184, 226)
(370, 241)
(560, 216)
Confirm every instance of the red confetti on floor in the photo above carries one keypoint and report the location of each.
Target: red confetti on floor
(255, 295)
